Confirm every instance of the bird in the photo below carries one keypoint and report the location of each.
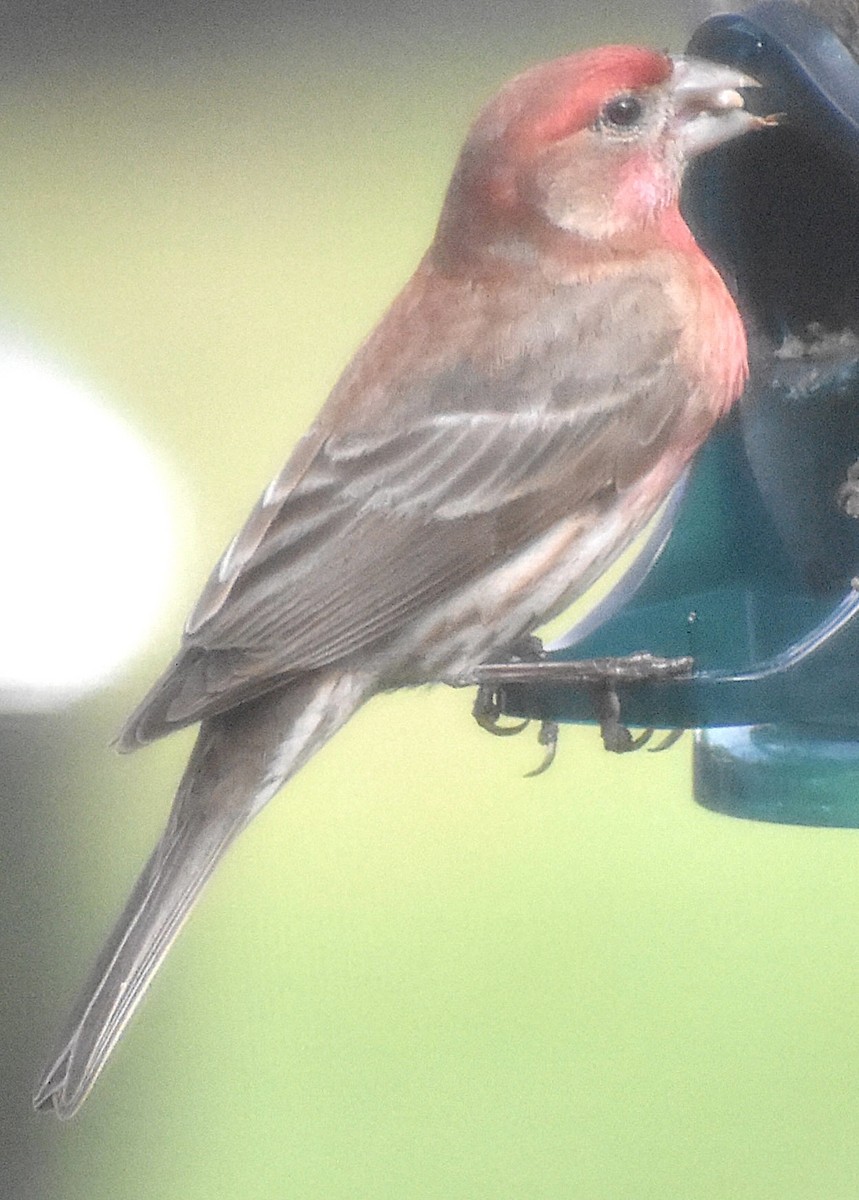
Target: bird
(514, 420)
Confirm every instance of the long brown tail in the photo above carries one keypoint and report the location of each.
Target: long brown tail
(239, 761)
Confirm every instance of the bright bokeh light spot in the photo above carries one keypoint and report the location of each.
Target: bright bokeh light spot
(87, 537)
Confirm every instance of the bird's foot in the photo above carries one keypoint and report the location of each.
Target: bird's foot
(487, 712)
(616, 738)
(489, 702)
(488, 705)
(636, 668)
(601, 676)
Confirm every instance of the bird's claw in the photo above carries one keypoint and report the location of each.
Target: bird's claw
(487, 713)
(488, 706)
(548, 737)
(489, 702)
(672, 736)
(616, 738)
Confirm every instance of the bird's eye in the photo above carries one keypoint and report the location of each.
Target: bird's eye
(623, 112)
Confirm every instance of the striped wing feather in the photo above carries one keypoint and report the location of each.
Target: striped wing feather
(370, 526)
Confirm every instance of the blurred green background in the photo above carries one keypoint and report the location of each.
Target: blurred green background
(419, 974)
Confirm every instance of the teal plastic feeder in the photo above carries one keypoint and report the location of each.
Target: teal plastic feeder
(753, 571)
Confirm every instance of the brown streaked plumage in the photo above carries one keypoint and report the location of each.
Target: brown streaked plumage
(514, 420)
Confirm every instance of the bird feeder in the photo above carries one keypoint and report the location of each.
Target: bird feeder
(752, 572)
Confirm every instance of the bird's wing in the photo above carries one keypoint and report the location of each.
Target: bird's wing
(369, 527)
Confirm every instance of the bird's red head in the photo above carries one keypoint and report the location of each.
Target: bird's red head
(591, 146)
(557, 99)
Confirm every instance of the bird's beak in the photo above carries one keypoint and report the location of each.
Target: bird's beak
(708, 105)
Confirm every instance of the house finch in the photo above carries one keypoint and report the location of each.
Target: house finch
(514, 420)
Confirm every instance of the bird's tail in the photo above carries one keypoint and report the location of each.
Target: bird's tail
(239, 761)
